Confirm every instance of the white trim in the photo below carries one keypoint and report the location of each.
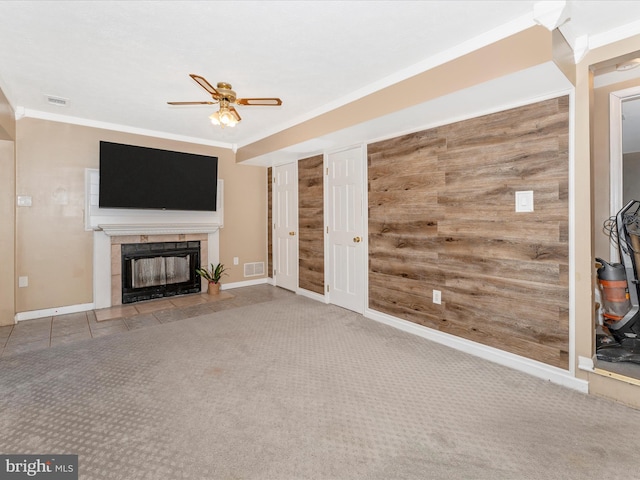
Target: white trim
(158, 229)
(326, 219)
(85, 307)
(22, 112)
(537, 369)
(312, 295)
(585, 363)
(615, 163)
(550, 14)
(49, 312)
(610, 36)
(572, 237)
(245, 283)
(365, 222)
(101, 270)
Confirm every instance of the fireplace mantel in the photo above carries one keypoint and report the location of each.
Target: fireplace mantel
(113, 230)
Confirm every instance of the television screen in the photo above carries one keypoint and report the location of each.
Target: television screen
(148, 178)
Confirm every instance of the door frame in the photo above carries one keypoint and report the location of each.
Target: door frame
(365, 222)
(615, 155)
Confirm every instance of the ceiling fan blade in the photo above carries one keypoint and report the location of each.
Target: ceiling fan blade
(192, 103)
(235, 113)
(206, 85)
(267, 102)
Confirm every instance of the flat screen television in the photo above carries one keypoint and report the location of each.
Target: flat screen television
(148, 178)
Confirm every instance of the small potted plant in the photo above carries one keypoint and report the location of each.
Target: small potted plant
(212, 276)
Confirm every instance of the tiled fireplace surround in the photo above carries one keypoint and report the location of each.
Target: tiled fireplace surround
(108, 259)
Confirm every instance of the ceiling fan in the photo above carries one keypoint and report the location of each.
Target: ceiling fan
(227, 115)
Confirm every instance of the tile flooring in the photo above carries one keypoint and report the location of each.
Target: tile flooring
(41, 333)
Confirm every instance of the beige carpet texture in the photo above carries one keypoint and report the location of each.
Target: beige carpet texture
(291, 388)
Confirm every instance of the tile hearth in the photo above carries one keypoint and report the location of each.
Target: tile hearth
(31, 335)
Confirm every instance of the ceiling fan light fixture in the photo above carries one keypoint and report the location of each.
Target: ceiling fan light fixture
(225, 116)
(227, 119)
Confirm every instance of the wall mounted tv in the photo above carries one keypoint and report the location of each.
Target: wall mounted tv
(148, 178)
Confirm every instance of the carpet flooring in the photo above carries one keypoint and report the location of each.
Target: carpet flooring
(294, 389)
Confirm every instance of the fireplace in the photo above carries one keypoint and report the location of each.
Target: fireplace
(114, 227)
(160, 269)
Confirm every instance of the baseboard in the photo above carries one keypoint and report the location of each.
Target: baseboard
(50, 312)
(312, 295)
(537, 369)
(246, 283)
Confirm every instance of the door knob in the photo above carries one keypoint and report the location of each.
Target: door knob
(357, 239)
(292, 233)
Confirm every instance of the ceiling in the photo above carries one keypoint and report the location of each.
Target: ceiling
(117, 63)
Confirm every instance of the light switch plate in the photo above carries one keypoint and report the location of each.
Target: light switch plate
(24, 201)
(524, 201)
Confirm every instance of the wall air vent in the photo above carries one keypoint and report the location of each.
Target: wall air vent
(57, 101)
(253, 269)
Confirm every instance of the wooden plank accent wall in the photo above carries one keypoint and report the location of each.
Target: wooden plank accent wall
(442, 216)
(269, 222)
(311, 224)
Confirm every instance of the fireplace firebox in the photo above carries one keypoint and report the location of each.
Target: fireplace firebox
(156, 270)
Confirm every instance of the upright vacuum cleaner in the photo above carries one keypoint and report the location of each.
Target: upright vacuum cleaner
(619, 287)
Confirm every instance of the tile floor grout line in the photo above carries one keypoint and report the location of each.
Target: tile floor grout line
(254, 298)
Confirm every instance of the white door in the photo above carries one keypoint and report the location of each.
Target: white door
(347, 236)
(285, 225)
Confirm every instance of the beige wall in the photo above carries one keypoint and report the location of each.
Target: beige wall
(7, 231)
(7, 119)
(245, 223)
(601, 160)
(631, 177)
(53, 249)
(7, 212)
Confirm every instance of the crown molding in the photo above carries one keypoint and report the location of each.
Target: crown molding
(22, 112)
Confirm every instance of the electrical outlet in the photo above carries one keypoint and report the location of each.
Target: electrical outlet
(437, 297)
(23, 282)
(236, 260)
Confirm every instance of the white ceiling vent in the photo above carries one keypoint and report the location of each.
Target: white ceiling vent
(57, 101)
(253, 269)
